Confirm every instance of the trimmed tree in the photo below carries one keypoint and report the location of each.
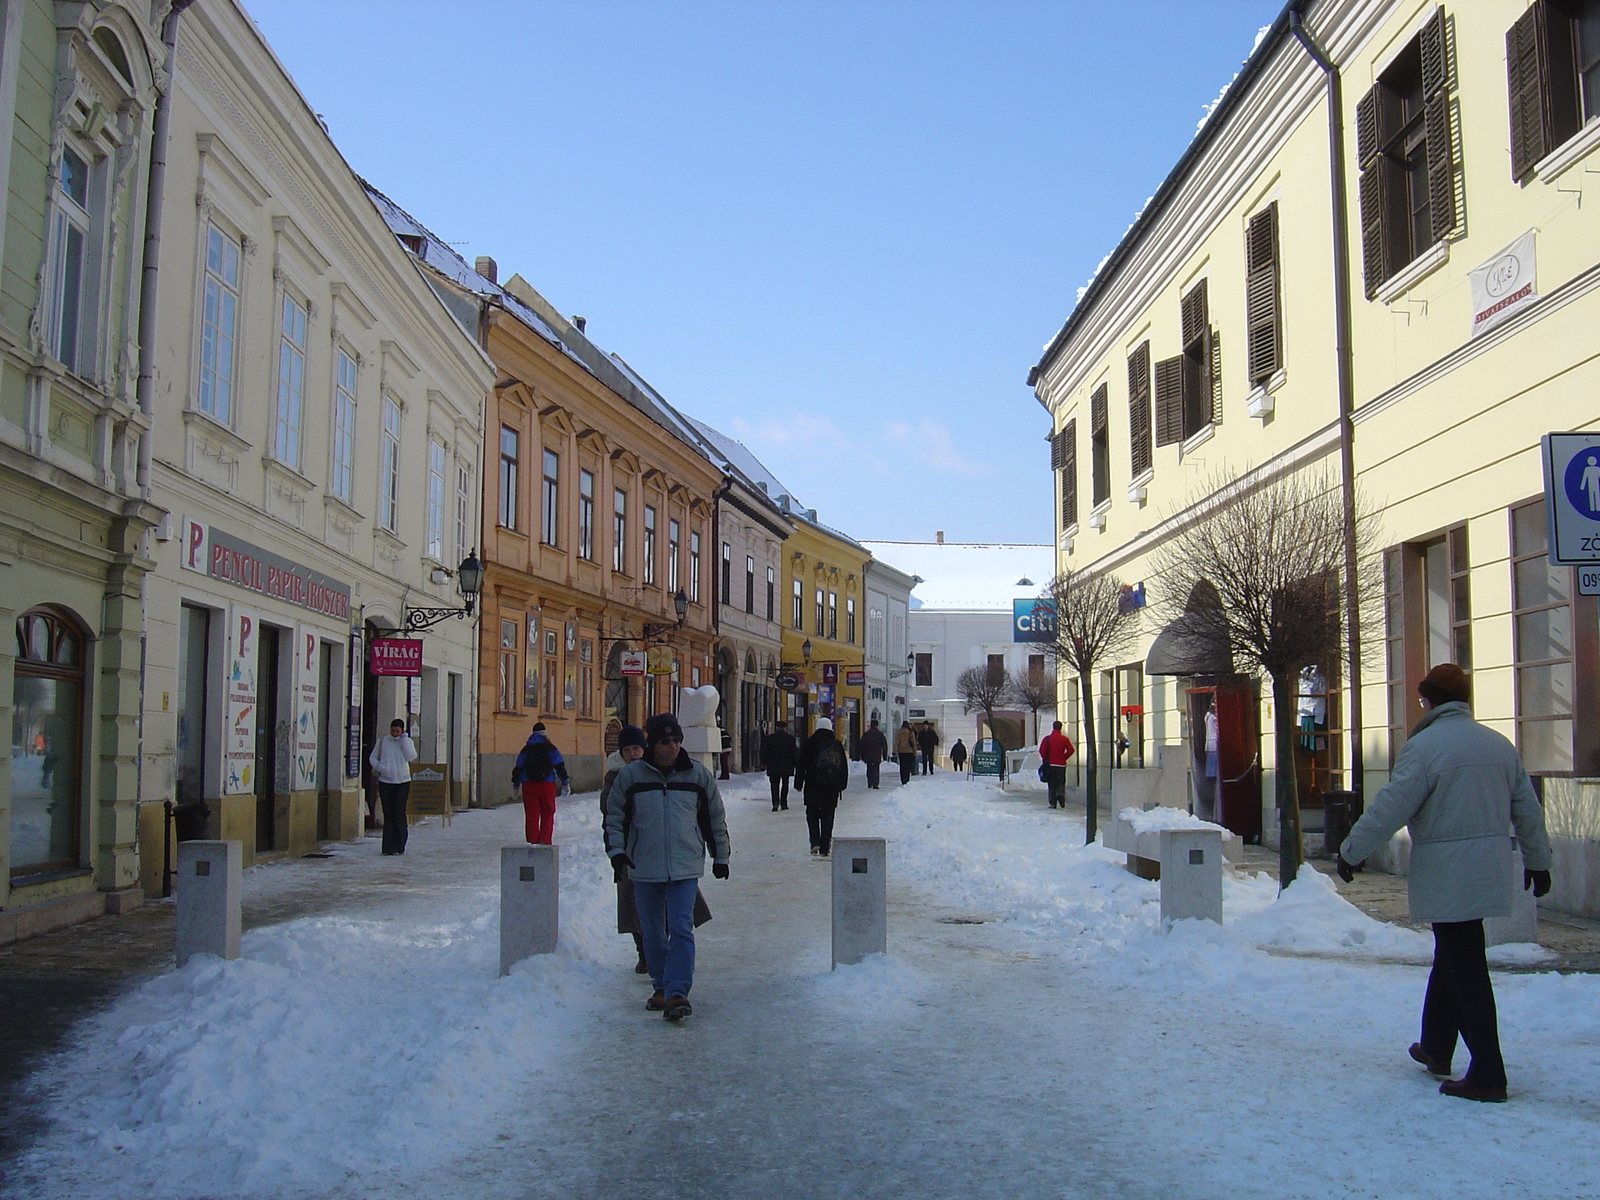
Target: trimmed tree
(981, 690)
(1034, 692)
(1270, 559)
(1091, 628)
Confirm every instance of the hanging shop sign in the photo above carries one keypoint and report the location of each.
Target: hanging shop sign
(788, 681)
(1503, 285)
(210, 551)
(396, 656)
(631, 662)
(659, 660)
(855, 677)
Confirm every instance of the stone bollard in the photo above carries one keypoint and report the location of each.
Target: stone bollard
(1523, 923)
(860, 899)
(208, 899)
(530, 908)
(1191, 874)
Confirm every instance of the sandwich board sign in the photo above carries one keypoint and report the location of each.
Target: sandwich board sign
(1572, 498)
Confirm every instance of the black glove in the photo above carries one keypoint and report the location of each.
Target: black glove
(1539, 881)
(620, 862)
(1346, 871)
(720, 871)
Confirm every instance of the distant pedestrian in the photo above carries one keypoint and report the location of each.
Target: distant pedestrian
(780, 752)
(391, 761)
(537, 771)
(630, 748)
(958, 756)
(927, 742)
(905, 751)
(727, 754)
(663, 813)
(1054, 751)
(823, 773)
(872, 749)
(1459, 787)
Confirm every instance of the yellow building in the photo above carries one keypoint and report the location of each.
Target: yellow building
(823, 634)
(1374, 264)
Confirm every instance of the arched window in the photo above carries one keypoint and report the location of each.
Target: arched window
(46, 742)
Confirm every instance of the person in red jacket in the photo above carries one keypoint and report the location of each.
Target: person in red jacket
(1056, 748)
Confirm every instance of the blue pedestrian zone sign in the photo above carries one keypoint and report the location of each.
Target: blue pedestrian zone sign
(1033, 620)
(1572, 497)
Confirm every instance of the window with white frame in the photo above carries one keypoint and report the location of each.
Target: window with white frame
(342, 481)
(219, 317)
(72, 235)
(649, 543)
(694, 566)
(551, 496)
(291, 380)
(619, 531)
(436, 462)
(389, 467)
(674, 534)
(510, 457)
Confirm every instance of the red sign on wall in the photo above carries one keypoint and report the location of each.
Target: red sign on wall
(396, 656)
(854, 677)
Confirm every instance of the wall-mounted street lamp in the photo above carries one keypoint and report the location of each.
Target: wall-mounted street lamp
(469, 580)
(911, 665)
(680, 605)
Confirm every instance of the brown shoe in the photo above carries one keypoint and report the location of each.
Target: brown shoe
(1435, 1067)
(1473, 1091)
(643, 968)
(656, 1002)
(677, 1008)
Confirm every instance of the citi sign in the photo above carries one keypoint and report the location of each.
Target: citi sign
(1033, 620)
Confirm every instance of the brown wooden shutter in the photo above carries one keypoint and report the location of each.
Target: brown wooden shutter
(1140, 453)
(1069, 474)
(1527, 76)
(1169, 401)
(1435, 55)
(1263, 348)
(1058, 450)
(1374, 200)
(1214, 358)
(1099, 410)
(1441, 166)
(1195, 313)
(1367, 142)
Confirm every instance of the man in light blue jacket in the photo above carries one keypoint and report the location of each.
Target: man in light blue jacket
(1459, 787)
(663, 813)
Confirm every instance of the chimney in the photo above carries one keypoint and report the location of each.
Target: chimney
(938, 536)
(580, 322)
(485, 266)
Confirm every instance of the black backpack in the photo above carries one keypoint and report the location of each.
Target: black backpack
(829, 767)
(533, 764)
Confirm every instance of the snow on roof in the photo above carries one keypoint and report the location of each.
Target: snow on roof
(737, 454)
(980, 575)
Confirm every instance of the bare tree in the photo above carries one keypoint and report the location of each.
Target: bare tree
(981, 689)
(1092, 627)
(1268, 559)
(1033, 692)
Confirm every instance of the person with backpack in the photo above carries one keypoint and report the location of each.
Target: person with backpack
(905, 751)
(822, 774)
(872, 749)
(663, 813)
(537, 769)
(779, 751)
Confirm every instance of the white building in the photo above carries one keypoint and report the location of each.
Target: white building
(888, 657)
(317, 434)
(960, 617)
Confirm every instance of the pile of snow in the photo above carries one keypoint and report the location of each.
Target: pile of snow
(1153, 820)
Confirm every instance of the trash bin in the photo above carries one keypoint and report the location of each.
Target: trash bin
(1340, 810)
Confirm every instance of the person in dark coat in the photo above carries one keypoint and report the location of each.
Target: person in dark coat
(780, 752)
(958, 756)
(1459, 787)
(905, 751)
(927, 742)
(822, 774)
(872, 749)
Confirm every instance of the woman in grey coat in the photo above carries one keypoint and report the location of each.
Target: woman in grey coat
(1459, 787)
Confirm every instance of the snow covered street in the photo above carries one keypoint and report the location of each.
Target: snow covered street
(1032, 1032)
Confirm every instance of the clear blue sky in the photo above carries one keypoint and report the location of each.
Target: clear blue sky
(839, 231)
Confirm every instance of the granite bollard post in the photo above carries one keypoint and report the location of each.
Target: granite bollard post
(1191, 874)
(530, 910)
(860, 899)
(208, 879)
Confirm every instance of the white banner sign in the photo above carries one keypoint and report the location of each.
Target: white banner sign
(308, 684)
(1503, 285)
(239, 739)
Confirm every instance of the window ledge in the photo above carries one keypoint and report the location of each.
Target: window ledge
(1139, 486)
(1066, 538)
(1576, 148)
(1097, 515)
(1414, 272)
(329, 500)
(1192, 443)
(276, 466)
(1260, 401)
(210, 425)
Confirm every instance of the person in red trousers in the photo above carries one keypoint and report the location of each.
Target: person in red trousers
(539, 768)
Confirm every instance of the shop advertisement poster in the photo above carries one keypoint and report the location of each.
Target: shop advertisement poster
(239, 738)
(307, 686)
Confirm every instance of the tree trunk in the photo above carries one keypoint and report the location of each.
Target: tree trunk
(1291, 849)
(1091, 760)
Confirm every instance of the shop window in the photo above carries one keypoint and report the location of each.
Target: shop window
(47, 697)
(510, 672)
(586, 678)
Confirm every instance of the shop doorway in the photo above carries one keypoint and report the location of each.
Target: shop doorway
(268, 705)
(1225, 750)
(329, 756)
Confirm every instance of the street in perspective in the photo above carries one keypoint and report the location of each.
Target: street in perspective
(1039, 638)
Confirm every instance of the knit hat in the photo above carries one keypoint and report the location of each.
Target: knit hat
(660, 727)
(631, 735)
(1446, 682)
(824, 723)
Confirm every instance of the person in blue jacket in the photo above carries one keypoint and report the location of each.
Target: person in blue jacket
(537, 770)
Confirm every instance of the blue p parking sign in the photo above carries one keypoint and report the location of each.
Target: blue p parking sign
(1572, 497)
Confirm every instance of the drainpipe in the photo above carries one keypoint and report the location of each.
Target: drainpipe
(1345, 377)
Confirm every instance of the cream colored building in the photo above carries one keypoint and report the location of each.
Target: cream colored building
(318, 432)
(1417, 359)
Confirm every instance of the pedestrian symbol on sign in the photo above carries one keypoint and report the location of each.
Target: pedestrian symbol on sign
(1583, 484)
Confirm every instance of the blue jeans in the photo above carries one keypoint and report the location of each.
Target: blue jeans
(666, 923)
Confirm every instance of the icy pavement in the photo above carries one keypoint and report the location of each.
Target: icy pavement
(1064, 1046)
